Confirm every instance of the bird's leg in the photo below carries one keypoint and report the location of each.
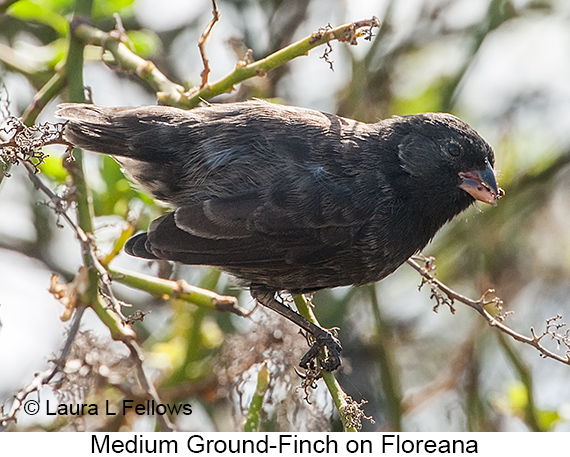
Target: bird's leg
(323, 338)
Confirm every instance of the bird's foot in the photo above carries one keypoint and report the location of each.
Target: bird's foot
(323, 340)
(319, 337)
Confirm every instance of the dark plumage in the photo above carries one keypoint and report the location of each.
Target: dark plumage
(288, 198)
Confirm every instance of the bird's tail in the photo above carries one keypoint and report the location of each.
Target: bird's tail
(136, 133)
(93, 128)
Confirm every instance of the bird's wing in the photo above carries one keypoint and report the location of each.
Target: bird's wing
(253, 228)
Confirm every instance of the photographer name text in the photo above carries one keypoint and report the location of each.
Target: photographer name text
(145, 408)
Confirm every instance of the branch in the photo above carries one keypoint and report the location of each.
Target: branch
(254, 412)
(167, 91)
(479, 306)
(5, 4)
(43, 378)
(173, 94)
(148, 386)
(180, 289)
(119, 331)
(73, 70)
(345, 33)
(118, 327)
(202, 44)
(350, 412)
(48, 92)
(75, 296)
(385, 356)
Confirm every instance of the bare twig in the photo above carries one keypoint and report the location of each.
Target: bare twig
(202, 44)
(120, 331)
(173, 94)
(24, 144)
(348, 33)
(479, 306)
(60, 206)
(148, 386)
(43, 378)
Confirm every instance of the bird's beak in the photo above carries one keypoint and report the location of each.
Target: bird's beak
(481, 185)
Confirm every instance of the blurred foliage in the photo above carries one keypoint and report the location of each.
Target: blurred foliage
(417, 370)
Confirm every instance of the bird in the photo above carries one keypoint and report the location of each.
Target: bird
(289, 199)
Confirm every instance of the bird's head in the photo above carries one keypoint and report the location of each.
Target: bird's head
(447, 159)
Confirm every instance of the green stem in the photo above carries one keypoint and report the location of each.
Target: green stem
(254, 414)
(188, 327)
(173, 94)
(119, 331)
(48, 92)
(180, 290)
(73, 70)
(347, 32)
(340, 398)
(391, 386)
(167, 91)
(193, 336)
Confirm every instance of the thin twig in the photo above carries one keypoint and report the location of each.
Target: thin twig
(478, 305)
(344, 33)
(49, 91)
(44, 377)
(202, 44)
(60, 208)
(173, 94)
(148, 386)
(119, 330)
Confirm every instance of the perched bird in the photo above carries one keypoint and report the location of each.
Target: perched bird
(287, 198)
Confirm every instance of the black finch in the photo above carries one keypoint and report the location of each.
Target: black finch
(291, 199)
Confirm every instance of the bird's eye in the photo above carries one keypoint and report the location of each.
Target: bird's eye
(454, 149)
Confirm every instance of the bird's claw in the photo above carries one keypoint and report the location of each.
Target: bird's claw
(324, 339)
